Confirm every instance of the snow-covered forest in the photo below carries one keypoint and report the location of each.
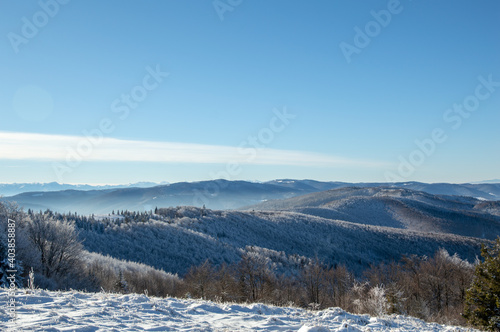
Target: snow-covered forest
(278, 258)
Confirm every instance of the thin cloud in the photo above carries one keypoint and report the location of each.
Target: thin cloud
(28, 146)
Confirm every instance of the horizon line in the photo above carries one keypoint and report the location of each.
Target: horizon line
(492, 181)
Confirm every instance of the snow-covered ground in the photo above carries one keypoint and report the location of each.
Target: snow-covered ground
(76, 311)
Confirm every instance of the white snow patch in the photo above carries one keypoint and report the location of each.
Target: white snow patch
(307, 328)
(78, 311)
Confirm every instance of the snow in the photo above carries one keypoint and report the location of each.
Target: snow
(307, 328)
(78, 311)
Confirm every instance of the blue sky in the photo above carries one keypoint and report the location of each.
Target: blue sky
(255, 90)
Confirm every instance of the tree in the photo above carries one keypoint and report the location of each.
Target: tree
(313, 280)
(7, 265)
(10, 265)
(254, 275)
(482, 299)
(338, 282)
(225, 283)
(121, 285)
(199, 280)
(444, 280)
(57, 244)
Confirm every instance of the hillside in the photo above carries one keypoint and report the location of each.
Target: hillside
(178, 238)
(216, 194)
(77, 311)
(398, 208)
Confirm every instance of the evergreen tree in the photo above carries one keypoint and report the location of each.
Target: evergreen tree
(482, 301)
(121, 285)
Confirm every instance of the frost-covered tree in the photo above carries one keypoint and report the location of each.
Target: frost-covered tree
(11, 215)
(7, 265)
(57, 244)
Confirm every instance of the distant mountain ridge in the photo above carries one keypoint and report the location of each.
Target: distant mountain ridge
(287, 222)
(217, 194)
(487, 181)
(10, 189)
(398, 208)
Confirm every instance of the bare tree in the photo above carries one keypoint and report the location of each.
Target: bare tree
(313, 278)
(338, 282)
(225, 284)
(199, 280)
(445, 279)
(254, 276)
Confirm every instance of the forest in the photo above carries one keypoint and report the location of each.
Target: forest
(50, 246)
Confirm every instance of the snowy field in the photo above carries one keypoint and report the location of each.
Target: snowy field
(76, 311)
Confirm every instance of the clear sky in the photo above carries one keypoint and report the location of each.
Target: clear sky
(162, 90)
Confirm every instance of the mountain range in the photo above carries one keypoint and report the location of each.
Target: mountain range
(285, 222)
(177, 238)
(398, 208)
(355, 226)
(216, 194)
(10, 189)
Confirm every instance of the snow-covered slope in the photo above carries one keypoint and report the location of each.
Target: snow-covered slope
(75, 311)
(183, 237)
(398, 208)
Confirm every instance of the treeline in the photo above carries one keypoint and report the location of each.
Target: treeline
(47, 245)
(430, 288)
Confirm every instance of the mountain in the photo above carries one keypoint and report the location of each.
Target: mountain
(216, 194)
(178, 238)
(487, 181)
(398, 208)
(10, 189)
